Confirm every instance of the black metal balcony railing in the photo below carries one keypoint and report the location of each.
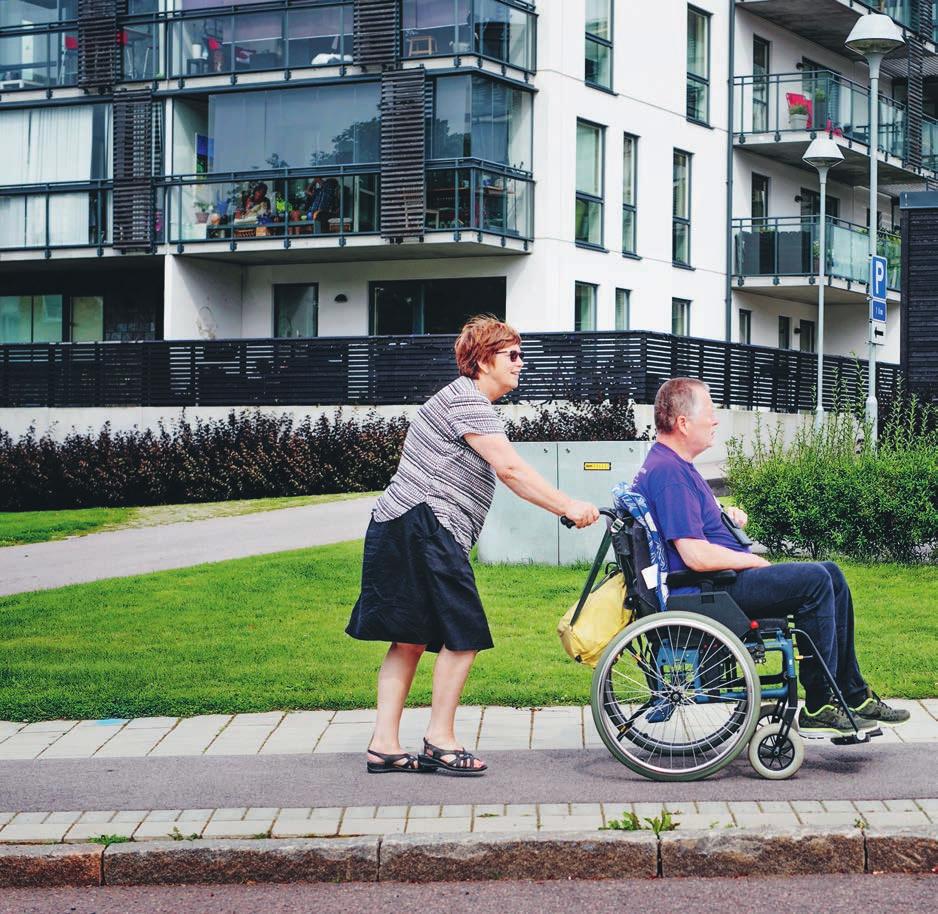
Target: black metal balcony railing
(336, 202)
(790, 246)
(479, 199)
(55, 216)
(787, 103)
(38, 57)
(410, 369)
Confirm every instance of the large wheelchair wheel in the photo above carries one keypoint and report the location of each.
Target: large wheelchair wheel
(675, 696)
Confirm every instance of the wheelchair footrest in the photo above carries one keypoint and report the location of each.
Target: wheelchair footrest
(864, 736)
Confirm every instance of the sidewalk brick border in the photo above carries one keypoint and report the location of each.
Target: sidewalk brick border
(426, 858)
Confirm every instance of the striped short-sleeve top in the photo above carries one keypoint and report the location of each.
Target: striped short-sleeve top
(438, 467)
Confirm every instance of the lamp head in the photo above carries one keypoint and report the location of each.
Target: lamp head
(823, 153)
(874, 34)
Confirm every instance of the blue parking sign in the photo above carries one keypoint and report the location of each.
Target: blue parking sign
(878, 289)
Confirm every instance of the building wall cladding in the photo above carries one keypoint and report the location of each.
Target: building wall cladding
(919, 358)
(231, 292)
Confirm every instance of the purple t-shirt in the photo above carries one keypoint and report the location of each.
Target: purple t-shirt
(682, 504)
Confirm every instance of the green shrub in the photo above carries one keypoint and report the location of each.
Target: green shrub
(833, 492)
(606, 420)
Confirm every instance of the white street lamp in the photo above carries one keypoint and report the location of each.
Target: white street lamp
(873, 37)
(823, 154)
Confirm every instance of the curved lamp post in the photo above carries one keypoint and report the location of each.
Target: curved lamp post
(823, 154)
(873, 37)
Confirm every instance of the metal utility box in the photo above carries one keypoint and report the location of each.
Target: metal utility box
(518, 533)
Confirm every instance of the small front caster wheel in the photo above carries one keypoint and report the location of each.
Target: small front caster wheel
(774, 756)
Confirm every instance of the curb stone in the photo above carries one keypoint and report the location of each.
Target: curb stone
(902, 850)
(240, 861)
(431, 858)
(763, 852)
(560, 855)
(42, 865)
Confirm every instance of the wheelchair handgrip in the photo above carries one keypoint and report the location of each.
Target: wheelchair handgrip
(569, 524)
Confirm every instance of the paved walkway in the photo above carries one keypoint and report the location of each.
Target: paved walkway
(121, 553)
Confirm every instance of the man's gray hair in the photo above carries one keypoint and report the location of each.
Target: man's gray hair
(677, 397)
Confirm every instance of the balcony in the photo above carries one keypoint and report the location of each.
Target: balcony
(499, 30)
(478, 199)
(38, 57)
(776, 115)
(233, 41)
(54, 216)
(781, 257)
(828, 22)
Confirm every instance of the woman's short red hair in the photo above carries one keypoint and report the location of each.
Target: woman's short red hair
(479, 340)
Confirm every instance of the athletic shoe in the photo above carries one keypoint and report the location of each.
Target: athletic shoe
(830, 721)
(875, 709)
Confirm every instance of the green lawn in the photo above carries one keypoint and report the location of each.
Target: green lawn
(21, 527)
(268, 632)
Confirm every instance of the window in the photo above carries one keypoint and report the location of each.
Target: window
(598, 56)
(807, 336)
(698, 65)
(680, 317)
(296, 311)
(784, 332)
(589, 183)
(482, 118)
(584, 307)
(432, 305)
(760, 84)
(745, 326)
(680, 234)
(623, 309)
(86, 323)
(760, 196)
(30, 318)
(629, 172)
(37, 12)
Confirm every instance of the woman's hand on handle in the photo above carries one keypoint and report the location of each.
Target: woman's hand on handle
(582, 513)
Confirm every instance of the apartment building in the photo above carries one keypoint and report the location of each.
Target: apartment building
(195, 169)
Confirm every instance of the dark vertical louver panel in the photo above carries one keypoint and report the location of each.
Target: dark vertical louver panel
(134, 155)
(377, 32)
(913, 123)
(403, 153)
(98, 50)
(926, 20)
(918, 336)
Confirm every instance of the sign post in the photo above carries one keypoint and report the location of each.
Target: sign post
(877, 333)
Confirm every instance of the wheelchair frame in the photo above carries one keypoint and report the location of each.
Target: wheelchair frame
(769, 750)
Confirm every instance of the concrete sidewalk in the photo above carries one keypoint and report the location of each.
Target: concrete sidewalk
(120, 553)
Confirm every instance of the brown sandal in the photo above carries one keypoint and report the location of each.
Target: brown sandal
(461, 765)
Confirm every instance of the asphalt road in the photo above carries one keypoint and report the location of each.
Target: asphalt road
(804, 895)
(41, 566)
(541, 776)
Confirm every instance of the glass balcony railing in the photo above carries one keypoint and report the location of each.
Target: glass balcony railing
(503, 30)
(240, 41)
(781, 103)
(790, 246)
(929, 143)
(477, 199)
(236, 208)
(50, 216)
(40, 57)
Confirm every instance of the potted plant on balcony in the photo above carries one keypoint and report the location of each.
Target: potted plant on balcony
(202, 209)
(798, 116)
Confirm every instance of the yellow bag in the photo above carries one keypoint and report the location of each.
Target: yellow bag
(603, 616)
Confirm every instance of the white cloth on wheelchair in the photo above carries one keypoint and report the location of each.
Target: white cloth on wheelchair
(650, 575)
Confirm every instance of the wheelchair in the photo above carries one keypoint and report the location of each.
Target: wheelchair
(678, 694)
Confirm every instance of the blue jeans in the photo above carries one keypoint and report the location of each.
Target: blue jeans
(817, 594)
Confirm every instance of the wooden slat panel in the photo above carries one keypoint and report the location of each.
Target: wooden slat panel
(134, 153)
(377, 32)
(99, 54)
(403, 153)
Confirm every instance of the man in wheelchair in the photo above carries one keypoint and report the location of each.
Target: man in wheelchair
(698, 538)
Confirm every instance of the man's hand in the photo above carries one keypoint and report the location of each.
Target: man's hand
(582, 513)
(737, 516)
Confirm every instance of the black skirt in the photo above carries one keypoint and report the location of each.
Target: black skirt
(418, 587)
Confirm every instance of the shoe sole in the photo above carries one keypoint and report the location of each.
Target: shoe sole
(888, 723)
(823, 732)
(434, 765)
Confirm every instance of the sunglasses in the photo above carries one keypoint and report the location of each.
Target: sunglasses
(514, 355)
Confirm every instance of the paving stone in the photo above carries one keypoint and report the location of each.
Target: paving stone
(355, 717)
(241, 861)
(711, 808)
(929, 806)
(152, 723)
(30, 818)
(295, 812)
(428, 858)
(360, 812)
(229, 814)
(45, 867)
(370, 827)
(6, 817)
(163, 815)
(262, 719)
(97, 816)
(459, 810)
(489, 809)
(391, 812)
(9, 727)
(522, 809)
(189, 815)
(762, 852)
(903, 850)
(451, 825)
(801, 806)
(118, 722)
(557, 809)
(160, 831)
(424, 812)
(49, 726)
(255, 813)
(131, 815)
(226, 828)
(504, 823)
(82, 831)
(849, 818)
(769, 820)
(697, 822)
(746, 808)
(930, 705)
(571, 823)
(886, 819)
(776, 806)
(303, 828)
(33, 832)
(870, 805)
(901, 805)
(326, 812)
(584, 809)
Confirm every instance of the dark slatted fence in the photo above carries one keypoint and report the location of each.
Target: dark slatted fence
(919, 319)
(99, 54)
(134, 154)
(409, 369)
(403, 153)
(377, 32)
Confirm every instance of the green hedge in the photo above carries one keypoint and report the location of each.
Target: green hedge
(833, 492)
